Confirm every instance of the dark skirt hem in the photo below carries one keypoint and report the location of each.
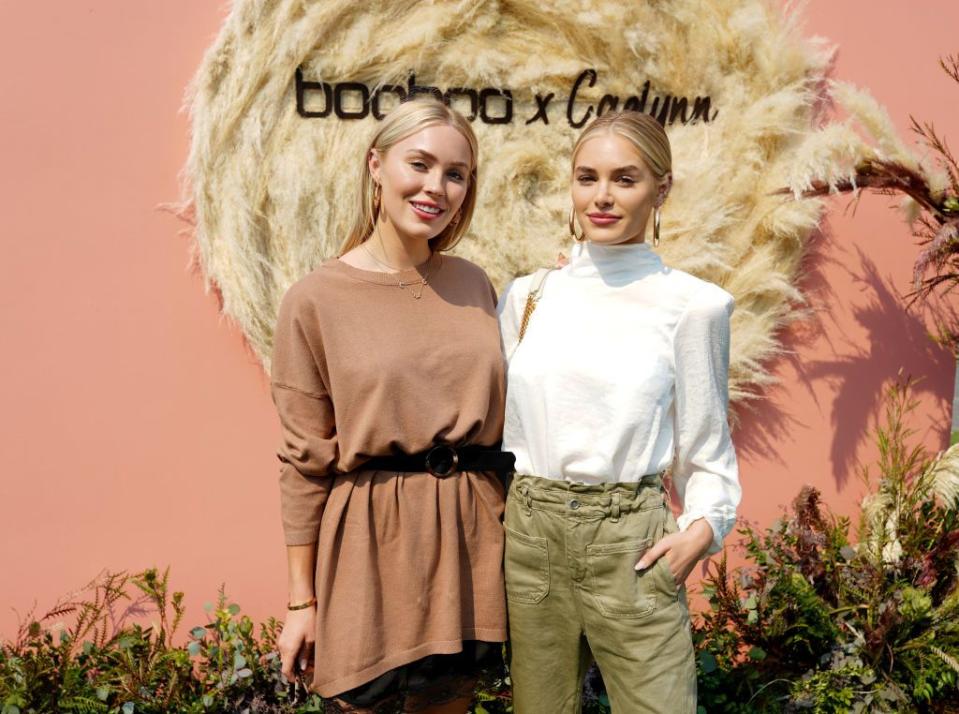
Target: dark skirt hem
(337, 687)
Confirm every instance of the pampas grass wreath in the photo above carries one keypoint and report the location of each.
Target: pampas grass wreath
(271, 192)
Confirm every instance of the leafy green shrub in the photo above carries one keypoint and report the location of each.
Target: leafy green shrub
(822, 622)
(107, 661)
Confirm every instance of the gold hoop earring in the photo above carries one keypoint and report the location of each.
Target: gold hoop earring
(656, 223)
(572, 226)
(374, 205)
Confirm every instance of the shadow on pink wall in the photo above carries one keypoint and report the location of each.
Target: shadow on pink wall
(896, 344)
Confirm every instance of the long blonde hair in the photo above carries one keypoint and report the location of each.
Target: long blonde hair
(641, 130)
(405, 120)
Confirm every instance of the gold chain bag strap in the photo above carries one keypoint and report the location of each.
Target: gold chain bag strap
(532, 298)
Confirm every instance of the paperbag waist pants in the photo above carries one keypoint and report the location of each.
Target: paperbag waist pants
(573, 595)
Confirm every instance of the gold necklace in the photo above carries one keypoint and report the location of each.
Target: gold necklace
(422, 282)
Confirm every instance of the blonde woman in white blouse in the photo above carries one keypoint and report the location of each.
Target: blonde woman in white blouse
(618, 375)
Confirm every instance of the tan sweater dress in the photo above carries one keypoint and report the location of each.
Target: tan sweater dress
(408, 565)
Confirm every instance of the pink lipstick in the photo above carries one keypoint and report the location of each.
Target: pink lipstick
(602, 219)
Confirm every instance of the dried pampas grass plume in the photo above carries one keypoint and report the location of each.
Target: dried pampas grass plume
(944, 477)
(271, 190)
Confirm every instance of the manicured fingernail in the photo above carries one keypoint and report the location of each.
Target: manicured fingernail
(640, 565)
(302, 664)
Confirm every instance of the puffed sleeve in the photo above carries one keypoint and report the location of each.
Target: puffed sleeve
(309, 448)
(705, 472)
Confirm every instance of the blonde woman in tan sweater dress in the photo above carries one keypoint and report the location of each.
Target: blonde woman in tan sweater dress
(384, 358)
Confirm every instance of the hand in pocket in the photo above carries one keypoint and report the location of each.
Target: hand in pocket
(681, 550)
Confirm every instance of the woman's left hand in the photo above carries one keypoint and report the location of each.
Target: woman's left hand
(682, 550)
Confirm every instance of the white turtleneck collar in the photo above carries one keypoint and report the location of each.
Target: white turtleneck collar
(613, 263)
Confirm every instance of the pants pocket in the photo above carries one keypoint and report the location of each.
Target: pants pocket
(619, 590)
(665, 576)
(527, 567)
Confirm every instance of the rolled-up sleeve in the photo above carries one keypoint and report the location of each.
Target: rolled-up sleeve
(705, 471)
(309, 449)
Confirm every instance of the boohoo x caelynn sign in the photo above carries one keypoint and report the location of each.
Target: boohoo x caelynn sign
(491, 105)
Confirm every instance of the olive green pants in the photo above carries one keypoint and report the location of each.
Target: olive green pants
(574, 595)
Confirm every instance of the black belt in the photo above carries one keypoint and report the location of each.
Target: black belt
(444, 460)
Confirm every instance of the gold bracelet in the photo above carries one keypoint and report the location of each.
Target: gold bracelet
(303, 605)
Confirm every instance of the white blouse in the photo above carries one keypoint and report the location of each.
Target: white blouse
(623, 372)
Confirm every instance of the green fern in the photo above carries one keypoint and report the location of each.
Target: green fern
(83, 705)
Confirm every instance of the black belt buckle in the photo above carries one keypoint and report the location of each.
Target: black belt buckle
(441, 461)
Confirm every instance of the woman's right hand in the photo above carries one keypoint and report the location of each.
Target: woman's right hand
(296, 641)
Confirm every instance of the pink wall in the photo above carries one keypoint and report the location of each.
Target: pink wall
(138, 431)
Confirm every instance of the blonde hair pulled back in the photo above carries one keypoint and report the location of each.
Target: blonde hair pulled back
(641, 130)
(405, 120)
